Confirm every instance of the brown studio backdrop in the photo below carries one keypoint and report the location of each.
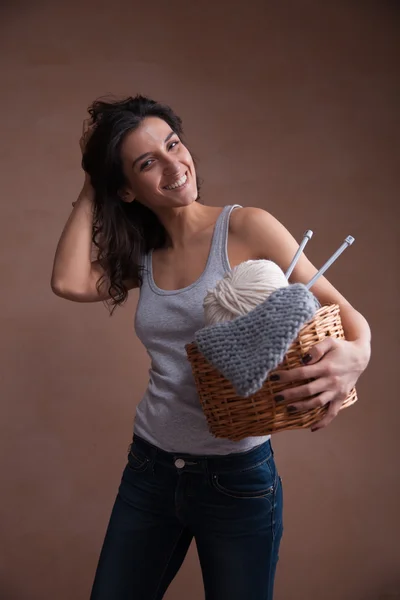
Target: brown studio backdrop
(290, 106)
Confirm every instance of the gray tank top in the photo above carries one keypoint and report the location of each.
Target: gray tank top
(169, 415)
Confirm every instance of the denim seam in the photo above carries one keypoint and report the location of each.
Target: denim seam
(275, 541)
(245, 495)
(168, 562)
(247, 469)
(273, 522)
(273, 513)
(144, 463)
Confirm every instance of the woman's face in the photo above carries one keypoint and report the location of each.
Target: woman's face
(158, 167)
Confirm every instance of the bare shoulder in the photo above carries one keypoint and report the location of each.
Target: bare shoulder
(247, 215)
(269, 239)
(262, 232)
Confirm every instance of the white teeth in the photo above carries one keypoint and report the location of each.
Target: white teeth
(178, 183)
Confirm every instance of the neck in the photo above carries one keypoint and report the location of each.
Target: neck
(184, 223)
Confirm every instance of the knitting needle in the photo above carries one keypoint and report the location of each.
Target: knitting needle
(307, 236)
(347, 242)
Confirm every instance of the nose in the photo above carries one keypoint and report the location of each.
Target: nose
(171, 166)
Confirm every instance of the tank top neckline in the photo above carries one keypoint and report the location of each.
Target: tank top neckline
(214, 240)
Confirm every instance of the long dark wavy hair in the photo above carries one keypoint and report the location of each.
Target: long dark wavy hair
(122, 232)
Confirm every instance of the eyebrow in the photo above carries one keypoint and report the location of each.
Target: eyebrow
(146, 154)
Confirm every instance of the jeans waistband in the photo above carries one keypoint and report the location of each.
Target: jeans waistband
(240, 461)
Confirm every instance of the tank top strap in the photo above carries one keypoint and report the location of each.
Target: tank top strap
(219, 247)
(218, 257)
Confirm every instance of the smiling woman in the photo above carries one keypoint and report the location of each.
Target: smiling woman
(140, 206)
(166, 166)
(136, 167)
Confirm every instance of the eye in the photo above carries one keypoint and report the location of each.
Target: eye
(146, 164)
(173, 144)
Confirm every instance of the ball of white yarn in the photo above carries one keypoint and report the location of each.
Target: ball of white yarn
(242, 289)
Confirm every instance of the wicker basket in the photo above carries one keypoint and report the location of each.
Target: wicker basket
(234, 417)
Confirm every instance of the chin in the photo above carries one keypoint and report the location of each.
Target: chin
(185, 200)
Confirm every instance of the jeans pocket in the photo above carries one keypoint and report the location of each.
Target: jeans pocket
(255, 482)
(137, 461)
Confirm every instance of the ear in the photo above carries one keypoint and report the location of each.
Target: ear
(126, 195)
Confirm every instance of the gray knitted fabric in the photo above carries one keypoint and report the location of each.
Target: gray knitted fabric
(247, 348)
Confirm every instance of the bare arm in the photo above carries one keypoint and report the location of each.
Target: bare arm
(332, 367)
(270, 239)
(75, 275)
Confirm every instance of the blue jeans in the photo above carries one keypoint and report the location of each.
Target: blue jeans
(231, 505)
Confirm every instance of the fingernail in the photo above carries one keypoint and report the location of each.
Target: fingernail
(292, 409)
(274, 377)
(306, 358)
(279, 398)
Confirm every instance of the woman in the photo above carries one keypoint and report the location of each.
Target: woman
(140, 200)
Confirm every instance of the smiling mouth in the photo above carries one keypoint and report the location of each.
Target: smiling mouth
(178, 184)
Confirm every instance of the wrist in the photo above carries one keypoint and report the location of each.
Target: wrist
(85, 199)
(87, 181)
(87, 191)
(87, 187)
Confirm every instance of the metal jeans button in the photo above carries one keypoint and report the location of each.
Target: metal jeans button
(179, 463)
